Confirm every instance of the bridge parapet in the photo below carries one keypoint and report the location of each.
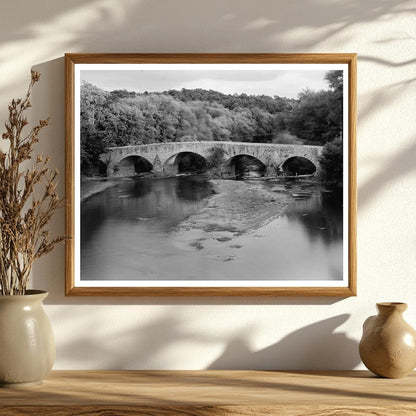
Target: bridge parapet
(158, 154)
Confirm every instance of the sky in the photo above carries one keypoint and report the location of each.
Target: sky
(279, 82)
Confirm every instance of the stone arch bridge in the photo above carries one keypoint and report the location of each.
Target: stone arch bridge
(162, 157)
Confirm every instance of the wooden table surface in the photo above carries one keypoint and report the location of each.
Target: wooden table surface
(203, 393)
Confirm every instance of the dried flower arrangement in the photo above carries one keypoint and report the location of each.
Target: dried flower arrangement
(28, 200)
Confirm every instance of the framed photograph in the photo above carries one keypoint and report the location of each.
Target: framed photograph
(210, 174)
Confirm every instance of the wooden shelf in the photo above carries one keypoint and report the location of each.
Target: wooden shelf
(210, 393)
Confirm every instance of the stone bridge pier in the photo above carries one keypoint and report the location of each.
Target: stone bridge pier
(163, 157)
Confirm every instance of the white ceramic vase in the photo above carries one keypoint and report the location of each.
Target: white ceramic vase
(27, 346)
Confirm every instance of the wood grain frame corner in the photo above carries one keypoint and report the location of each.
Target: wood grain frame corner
(72, 59)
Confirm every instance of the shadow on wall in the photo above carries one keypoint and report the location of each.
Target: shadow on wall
(313, 347)
(401, 164)
(139, 347)
(316, 346)
(94, 23)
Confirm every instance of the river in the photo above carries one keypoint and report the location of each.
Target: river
(150, 229)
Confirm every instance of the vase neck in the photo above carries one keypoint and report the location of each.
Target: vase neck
(389, 308)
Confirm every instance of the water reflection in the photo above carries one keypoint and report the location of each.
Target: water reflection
(321, 216)
(168, 201)
(128, 233)
(194, 188)
(317, 209)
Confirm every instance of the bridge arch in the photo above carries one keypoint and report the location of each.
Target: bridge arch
(241, 165)
(132, 165)
(297, 165)
(185, 162)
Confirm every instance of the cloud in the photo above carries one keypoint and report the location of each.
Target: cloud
(284, 83)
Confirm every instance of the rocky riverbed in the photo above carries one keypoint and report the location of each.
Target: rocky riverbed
(237, 207)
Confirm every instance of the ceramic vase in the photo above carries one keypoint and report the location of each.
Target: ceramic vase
(388, 345)
(27, 346)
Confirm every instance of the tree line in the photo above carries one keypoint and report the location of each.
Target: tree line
(122, 118)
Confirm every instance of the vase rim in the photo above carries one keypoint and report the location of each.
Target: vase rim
(401, 306)
(30, 293)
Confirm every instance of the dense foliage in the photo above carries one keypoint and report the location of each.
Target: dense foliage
(331, 163)
(121, 118)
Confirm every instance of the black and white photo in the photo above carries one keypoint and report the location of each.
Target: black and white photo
(210, 175)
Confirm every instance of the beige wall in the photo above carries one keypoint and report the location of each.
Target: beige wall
(234, 333)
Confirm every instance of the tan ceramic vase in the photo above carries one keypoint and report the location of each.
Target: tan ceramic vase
(388, 344)
(27, 346)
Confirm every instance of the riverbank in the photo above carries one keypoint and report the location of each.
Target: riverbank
(92, 186)
(237, 207)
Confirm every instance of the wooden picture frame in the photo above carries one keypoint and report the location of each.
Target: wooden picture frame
(75, 64)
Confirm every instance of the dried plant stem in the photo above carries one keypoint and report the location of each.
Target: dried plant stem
(24, 216)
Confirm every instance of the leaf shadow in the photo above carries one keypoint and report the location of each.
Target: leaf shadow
(401, 164)
(316, 346)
